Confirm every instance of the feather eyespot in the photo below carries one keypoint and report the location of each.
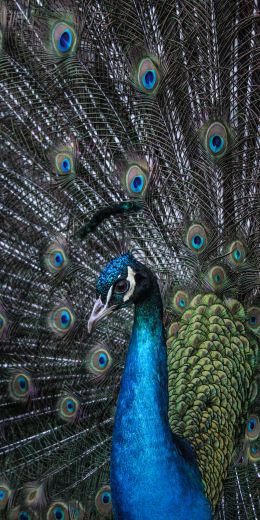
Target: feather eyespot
(24, 515)
(99, 360)
(58, 511)
(20, 386)
(103, 500)
(64, 39)
(61, 320)
(197, 238)
(253, 319)
(136, 180)
(217, 139)
(64, 164)
(217, 278)
(55, 258)
(148, 75)
(181, 301)
(253, 452)
(252, 428)
(236, 253)
(5, 493)
(68, 408)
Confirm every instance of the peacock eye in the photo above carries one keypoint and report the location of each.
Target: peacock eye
(180, 301)
(23, 515)
(64, 163)
(121, 287)
(64, 39)
(216, 139)
(61, 320)
(236, 253)
(252, 427)
(103, 500)
(148, 76)
(20, 386)
(253, 319)
(196, 238)
(253, 451)
(136, 181)
(5, 493)
(99, 360)
(55, 258)
(68, 408)
(58, 511)
(217, 278)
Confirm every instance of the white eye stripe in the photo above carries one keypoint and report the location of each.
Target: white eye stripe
(109, 294)
(131, 280)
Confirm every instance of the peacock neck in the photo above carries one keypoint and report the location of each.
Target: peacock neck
(148, 470)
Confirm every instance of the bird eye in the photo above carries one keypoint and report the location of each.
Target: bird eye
(121, 287)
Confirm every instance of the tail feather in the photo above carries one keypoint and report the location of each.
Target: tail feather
(84, 136)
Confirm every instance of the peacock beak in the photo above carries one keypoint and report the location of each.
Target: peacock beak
(100, 310)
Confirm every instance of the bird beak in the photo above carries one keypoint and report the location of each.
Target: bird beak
(100, 310)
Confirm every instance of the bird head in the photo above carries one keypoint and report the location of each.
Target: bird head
(122, 282)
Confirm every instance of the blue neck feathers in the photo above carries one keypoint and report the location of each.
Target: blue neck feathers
(153, 473)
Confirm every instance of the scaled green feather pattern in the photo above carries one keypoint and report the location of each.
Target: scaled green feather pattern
(211, 365)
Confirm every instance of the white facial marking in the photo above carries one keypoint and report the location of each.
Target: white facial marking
(131, 280)
(109, 295)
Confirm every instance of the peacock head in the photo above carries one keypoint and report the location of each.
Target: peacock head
(122, 282)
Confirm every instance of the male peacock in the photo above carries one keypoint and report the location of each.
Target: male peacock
(129, 131)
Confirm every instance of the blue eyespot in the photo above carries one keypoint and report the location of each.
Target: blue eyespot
(66, 165)
(217, 278)
(70, 406)
(23, 383)
(58, 259)
(1, 322)
(65, 41)
(149, 79)
(197, 241)
(106, 497)
(252, 320)
(237, 254)
(2, 495)
(58, 513)
(137, 184)
(182, 303)
(24, 516)
(216, 143)
(65, 319)
(103, 360)
(251, 425)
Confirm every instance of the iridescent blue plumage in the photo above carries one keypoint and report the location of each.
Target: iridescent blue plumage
(151, 468)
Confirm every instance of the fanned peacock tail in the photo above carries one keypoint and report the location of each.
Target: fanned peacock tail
(153, 101)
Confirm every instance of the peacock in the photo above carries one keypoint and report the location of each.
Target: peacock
(129, 302)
